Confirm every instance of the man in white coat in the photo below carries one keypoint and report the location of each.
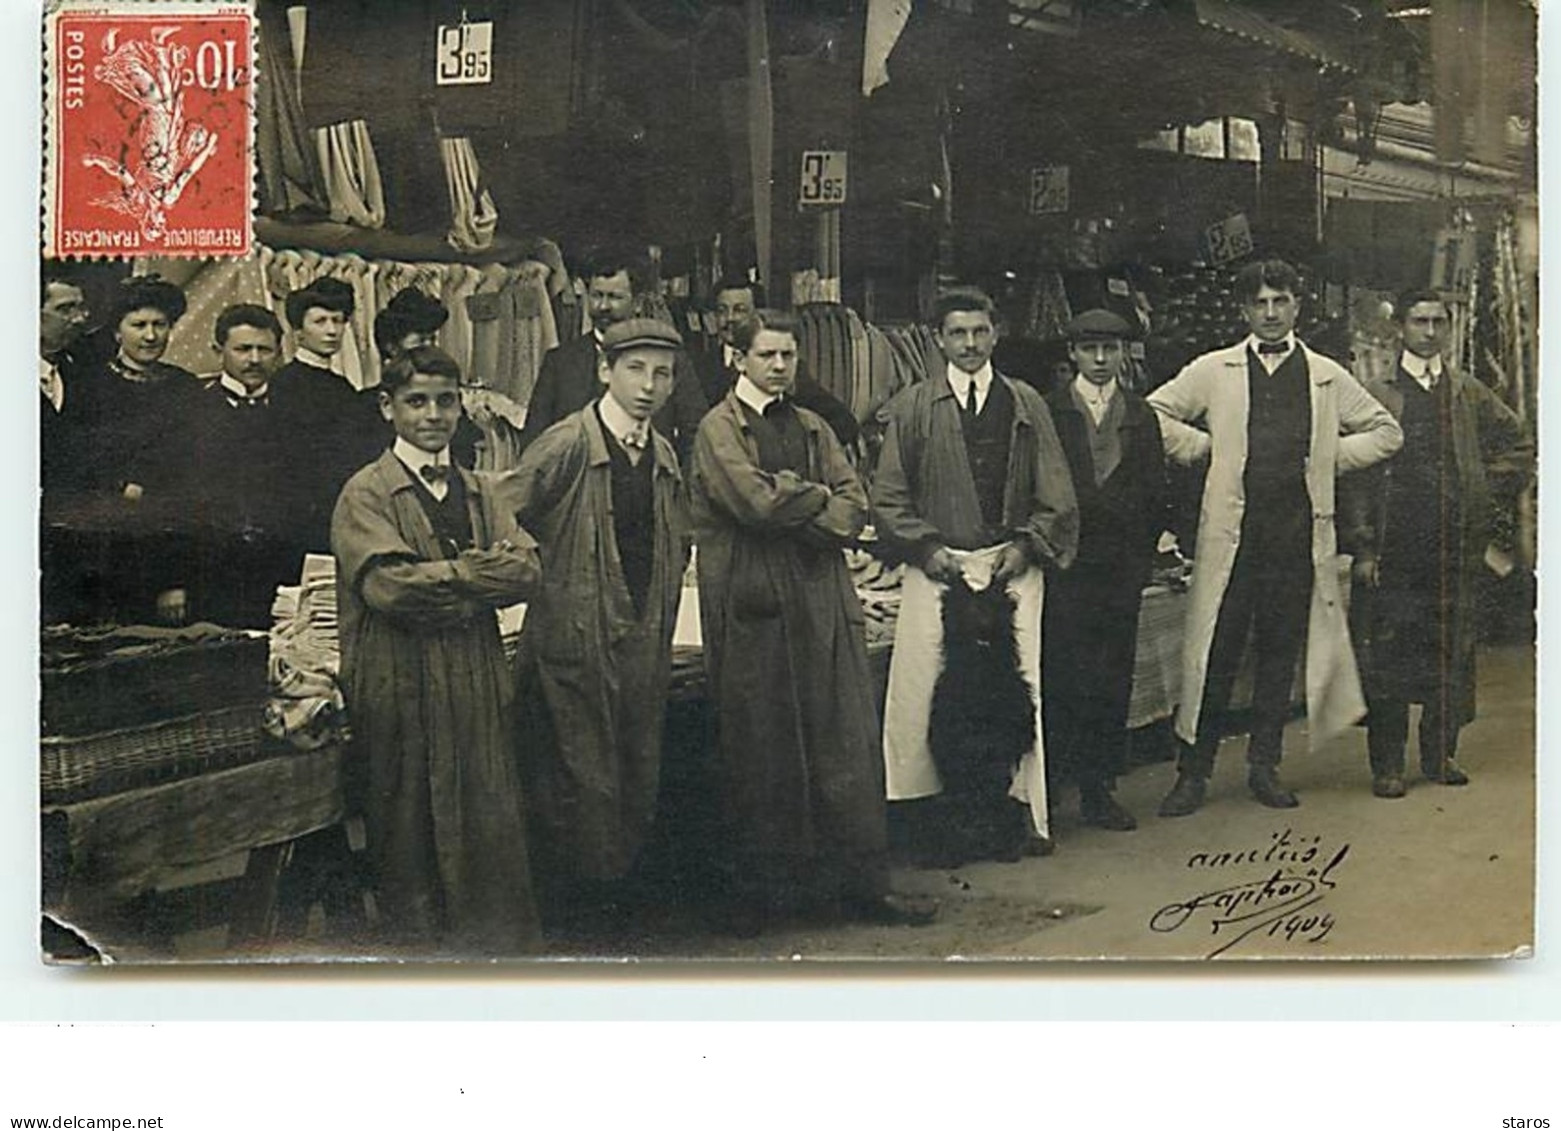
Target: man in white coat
(1277, 423)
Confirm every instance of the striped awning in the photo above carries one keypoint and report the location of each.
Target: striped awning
(1244, 23)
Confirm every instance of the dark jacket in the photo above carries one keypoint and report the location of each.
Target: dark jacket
(569, 380)
(328, 432)
(1488, 443)
(1120, 521)
(923, 495)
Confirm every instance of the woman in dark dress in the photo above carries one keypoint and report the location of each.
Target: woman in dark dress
(144, 401)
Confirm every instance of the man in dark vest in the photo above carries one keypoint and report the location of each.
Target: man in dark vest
(1090, 618)
(1419, 527)
(973, 493)
(1277, 423)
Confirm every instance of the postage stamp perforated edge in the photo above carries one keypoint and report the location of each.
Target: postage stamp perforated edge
(56, 177)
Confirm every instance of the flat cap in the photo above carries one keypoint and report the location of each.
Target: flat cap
(1099, 325)
(641, 332)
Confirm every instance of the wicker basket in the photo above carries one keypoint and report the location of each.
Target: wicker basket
(76, 769)
(135, 687)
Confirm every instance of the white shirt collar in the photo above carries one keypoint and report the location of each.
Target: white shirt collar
(730, 355)
(318, 360)
(1423, 369)
(1288, 341)
(753, 396)
(960, 381)
(234, 387)
(1097, 398)
(415, 459)
(622, 425)
(1092, 392)
(52, 383)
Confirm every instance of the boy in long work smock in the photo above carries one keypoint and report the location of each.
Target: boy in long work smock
(603, 492)
(424, 555)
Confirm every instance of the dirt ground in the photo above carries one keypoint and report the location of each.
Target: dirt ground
(1443, 872)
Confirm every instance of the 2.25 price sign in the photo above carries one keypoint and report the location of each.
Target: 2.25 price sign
(823, 178)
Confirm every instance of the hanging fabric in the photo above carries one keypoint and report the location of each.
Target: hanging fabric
(288, 173)
(352, 181)
(473, 217)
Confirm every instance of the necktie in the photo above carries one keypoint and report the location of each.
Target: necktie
(1273, 347)
(971, 410)
(434, 473)
(53, 386)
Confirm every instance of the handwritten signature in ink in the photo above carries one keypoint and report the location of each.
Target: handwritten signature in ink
(1281, 904)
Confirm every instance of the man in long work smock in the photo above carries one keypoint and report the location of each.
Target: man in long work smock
(424, 555)
(972, 489)
(603, 494)
(1419, 526)
(1090, 624)
(1277, 424)
(774, 501)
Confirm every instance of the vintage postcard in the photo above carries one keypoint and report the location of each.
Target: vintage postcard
(752, 479)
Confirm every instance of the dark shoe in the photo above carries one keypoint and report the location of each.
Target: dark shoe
(1387, 785)
(1263, 781)
(1449, 773)
(894, 910)
(1102, 811)
(1185, 797)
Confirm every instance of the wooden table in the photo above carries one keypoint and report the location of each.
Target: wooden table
(126, 845)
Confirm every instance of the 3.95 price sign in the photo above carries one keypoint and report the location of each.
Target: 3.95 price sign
(823, 178)
(464, 54)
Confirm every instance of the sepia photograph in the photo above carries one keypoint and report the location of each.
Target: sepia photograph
(870, 481)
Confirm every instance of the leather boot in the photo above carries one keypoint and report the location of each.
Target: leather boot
(1186, 796)
(1264, 783)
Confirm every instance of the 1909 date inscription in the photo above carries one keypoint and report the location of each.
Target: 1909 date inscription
(1283, 901)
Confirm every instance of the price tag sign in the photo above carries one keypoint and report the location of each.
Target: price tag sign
(1048, 190)
(1230, 239)
(465, 54)
(823, 179)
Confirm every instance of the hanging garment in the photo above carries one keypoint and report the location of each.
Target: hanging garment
(352, 182)
(289, 179)
(473, 217)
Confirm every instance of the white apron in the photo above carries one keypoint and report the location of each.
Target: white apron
(917, 661)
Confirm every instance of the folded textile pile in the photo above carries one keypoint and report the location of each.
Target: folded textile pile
(878, 588)
(305, 708)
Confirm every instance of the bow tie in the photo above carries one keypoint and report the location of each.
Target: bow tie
(249, 402)
(775, 408)
(637, 439)
(434, 473)
(1273, 347)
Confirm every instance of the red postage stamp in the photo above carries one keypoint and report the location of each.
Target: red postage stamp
(149, 118)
